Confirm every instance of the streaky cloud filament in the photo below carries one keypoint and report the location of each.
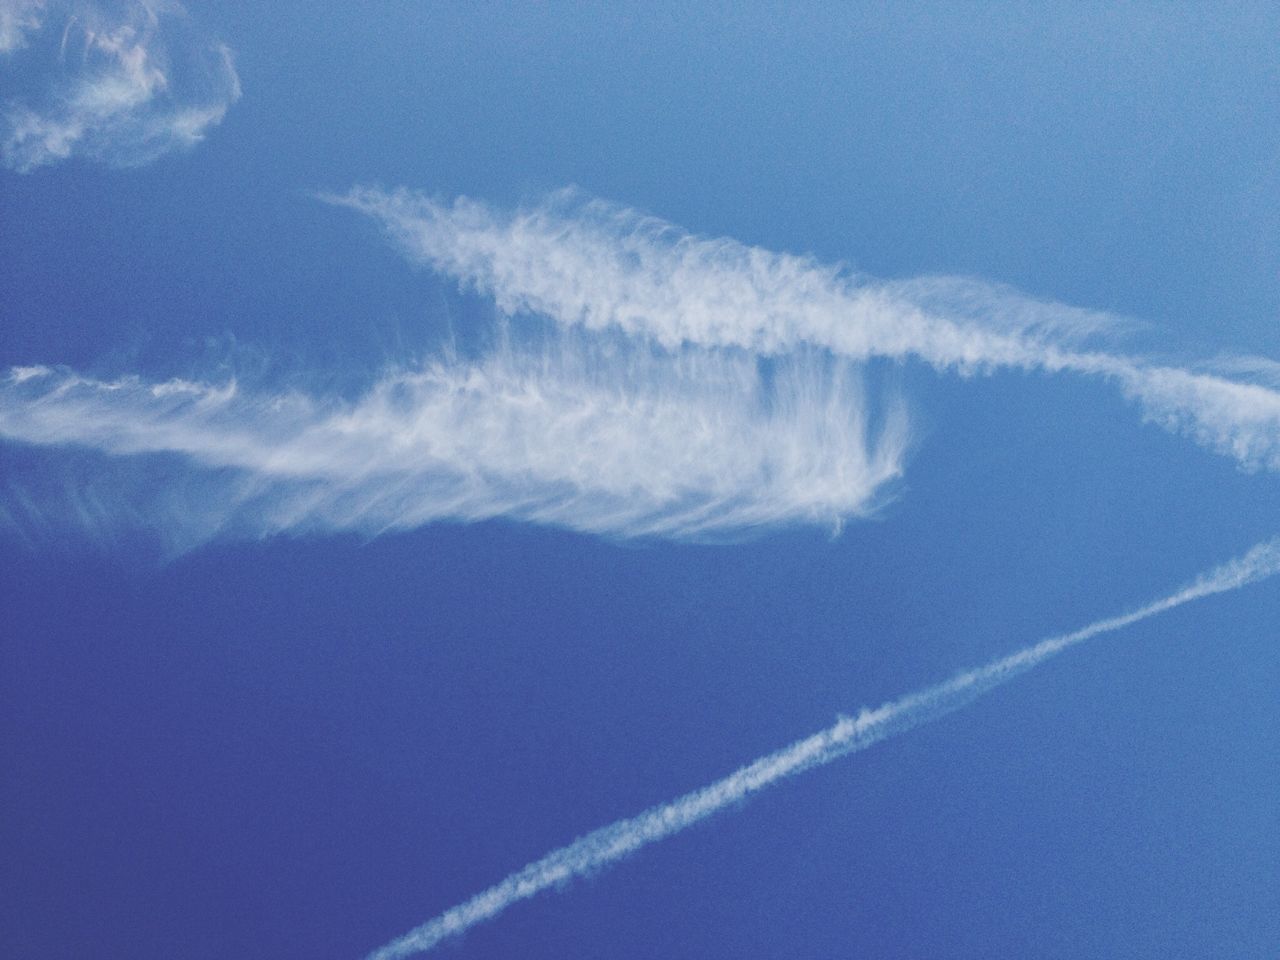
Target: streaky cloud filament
(591, 265)
(848, 735)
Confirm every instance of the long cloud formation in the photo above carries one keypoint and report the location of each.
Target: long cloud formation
(589, 265)
(848, 735)
(604, 438)
(117, 82)
(696, 389)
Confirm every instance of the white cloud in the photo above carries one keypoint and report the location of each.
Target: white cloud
(697, 389)
(1240, 420)
(18, 20)
(588, 265)
(1257, 369)
(607, 438)
(608, 845)
(121, 84)
(591, 265)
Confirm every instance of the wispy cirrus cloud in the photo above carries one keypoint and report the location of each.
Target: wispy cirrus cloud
(695, 389)
(609, 438)
(590, 265)
(121, 83)
(18, 19)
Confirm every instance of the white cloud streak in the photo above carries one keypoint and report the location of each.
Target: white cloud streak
(119, 83)
(599, 437)
(589, 265)
(848, 735)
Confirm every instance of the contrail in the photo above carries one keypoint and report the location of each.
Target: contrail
(849, 735)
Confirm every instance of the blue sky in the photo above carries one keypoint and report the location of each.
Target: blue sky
(361, 544)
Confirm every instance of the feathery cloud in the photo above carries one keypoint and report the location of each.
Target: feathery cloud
(120, 83)
(589, 265)
(607, 438)
(696, 389)
(18, 19)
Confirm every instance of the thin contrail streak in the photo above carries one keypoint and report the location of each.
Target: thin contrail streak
(849, 735)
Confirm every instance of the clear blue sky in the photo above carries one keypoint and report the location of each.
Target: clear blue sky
(302, 744)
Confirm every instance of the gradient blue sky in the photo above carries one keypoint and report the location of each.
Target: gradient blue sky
(303, 745)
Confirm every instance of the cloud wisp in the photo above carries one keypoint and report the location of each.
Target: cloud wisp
(848, 735)
(695, 389)
(589, 265)
(18, 20)
(608, 438)
(122, 83)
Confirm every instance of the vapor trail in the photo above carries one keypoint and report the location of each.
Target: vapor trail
(848, 735)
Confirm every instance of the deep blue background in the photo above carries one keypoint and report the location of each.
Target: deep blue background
(305, 747)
